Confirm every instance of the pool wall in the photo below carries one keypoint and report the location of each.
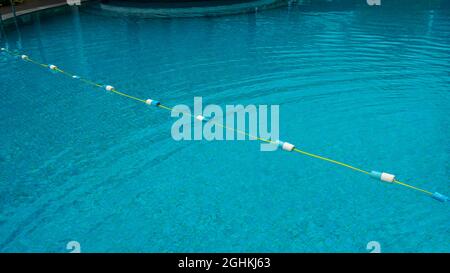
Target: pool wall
(24, 16)
(194, 11)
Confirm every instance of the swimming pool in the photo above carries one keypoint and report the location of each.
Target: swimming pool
(368, 86)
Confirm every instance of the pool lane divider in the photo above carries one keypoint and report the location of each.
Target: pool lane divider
(286, 146)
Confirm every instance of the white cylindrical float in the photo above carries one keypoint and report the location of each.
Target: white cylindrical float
(109, 87)
(52, 67)
(288, 146)
(24, 57)
(386, 177)
(285, 145)
(201, 118)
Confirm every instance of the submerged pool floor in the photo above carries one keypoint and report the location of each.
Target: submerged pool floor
(365, 86)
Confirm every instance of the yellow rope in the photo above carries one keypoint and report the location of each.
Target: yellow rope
(32, 61)
(331, 160)
(221, 125)
(91, 83)
(412, 187)
(128, 96)
(165, 107)
(241, 132)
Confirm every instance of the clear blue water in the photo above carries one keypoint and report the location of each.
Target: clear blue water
(368, 86)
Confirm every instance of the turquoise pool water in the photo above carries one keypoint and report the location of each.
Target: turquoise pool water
(367, 86)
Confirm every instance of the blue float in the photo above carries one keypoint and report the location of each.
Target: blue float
(439, 197)
(375, 174)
